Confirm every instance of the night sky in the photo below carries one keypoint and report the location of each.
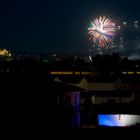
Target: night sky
(61, 26)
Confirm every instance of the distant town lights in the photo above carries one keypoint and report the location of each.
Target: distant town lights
(130, 72)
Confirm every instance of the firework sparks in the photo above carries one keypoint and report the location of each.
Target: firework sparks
(102, 31)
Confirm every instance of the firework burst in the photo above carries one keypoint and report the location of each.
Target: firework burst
(102, 31)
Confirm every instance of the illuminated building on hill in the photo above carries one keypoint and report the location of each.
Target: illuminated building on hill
(4, 52)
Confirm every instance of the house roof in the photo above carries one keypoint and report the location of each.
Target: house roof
(90, 79)
(96, 79)
(55, 86)
(69, 79)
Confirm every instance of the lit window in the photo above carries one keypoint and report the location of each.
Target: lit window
(77, 73)
(130, 72)
(124, 72)
(138, 72)
(63, 73)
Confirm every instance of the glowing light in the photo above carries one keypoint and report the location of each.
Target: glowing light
(72, 73)
(124, 72)
(61, 73)
(119, 27)
(118, 120)
(130, 72)
(90, 58)
(124, 23)
(136, 22)
(102, 31)
(138, 72)
(77, 73)
(4, 52)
